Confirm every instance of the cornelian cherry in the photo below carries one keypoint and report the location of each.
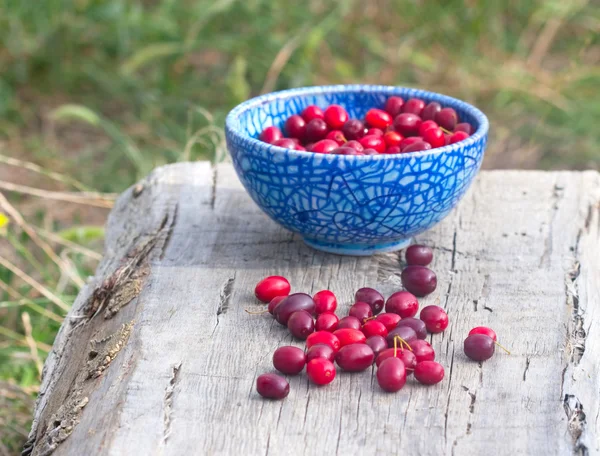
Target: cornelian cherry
(414, 106)
(320, 351)
(429, 372)
(403, 354)
(374, 328)
(349, 322)
(402, 303)
(291, 304)
(484, 330)
(326, 321)
(355, 357)
(378, 118)
(337, 136)
(295, 127)
(325, 301)
(312, 112)
(374, 132)
(389, 320)
(392, 138)
(355, 145)
(324, 146)
(377, 344)
(422, 350)
(391, 375)
(464, 126)
(431, 110)
(316, 130)
(353, 129)
(323, 337)
(271, 287)
(393, 105)
(458, 136)
(405, 333)
(447, 118)
(435, 318)
(418, 255)
(361, 310)
(417, 147)
(301, 324)
(417, 325)
(419, 280)
(408, 141)
(273, 303)
(320, 371)
(348, 336)
(392, 150)
(371, 297)
(286, 143)
(435, 137)
(373, 142)
(335, 116)
(272, 386)
(479, 347)
(289, 360)
(270, 135)
(407, 124)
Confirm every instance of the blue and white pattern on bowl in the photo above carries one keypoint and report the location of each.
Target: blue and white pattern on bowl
(354, 205)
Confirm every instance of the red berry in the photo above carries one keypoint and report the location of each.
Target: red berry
(435, 318)
(355, 357)
(392, 138)
(345, 151)
(323, 337)
(431, 110)
(389, 320)
(373, 142)
(291, 304)
(312, 112)
(414, 106)
(355, 145)
(320, 351)
(417, 147)
(286, 143)
(402, 303)
(420, 255)
(447, 138)
(378, 118)
(295, 127)
(484, 330)
(324, 146)
(419, 280)
(392, 150)
(374, 132)
(426, 125)
(403, 354)
(404, 332)
(353, 129)
(326, 321)
(371, 297)
(361, 310)
(321, 371)
(337, 136)
(374, 328)
(391, 375)
(335, 117)
(408, 141)
(377, 344)
(435, 137)
(447, 118)
(271, 287)
(479, 347)
(301, 324)
(270, 135)
(289, 360)
(407, 124)
(370, 152)
(325, 301)
(393, 106)
(466, 127)
(273, 303)
(429, 372)
(422, 350)
(349, 336)
(417, 325)
(272, 386)
(458, 136)
(299, 147)
(316, 130)
(349, 322)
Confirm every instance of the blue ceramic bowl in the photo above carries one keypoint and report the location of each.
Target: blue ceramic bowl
(352, 205)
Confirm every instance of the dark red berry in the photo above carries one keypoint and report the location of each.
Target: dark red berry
(422, 350)
(479, 347)
(326, 321)
(466, 127)
(301, 324)
(348, 336)
(377, 344)
(426, 125)
(374, 132)
(273, 303)
(335, 117)
(392, 150)
(316, 130)
(419, 255)
(345, 151)
(402, 303)
(374, 328)
(429, 372)
(403, 354)
(391, 375)
(286, 143)
(408, 141)
(353, 129)
(355, 145)
(355, 357)
(416, 324)
(337, 136)
(320, 371)
(407, 124)
(371, 297)
(312, 112)
(484, 330)
(393, 106)
(299, 147)
(373, 142)
(320, 351)
(390, 320)
(271, 287)
(295, 127)
(431, 110)
(417, 147)
(272, 386)
(435, 137)
(349, 322)
(392, 139)
(419, 280)
(270, 135)
(378, 118)
(291, 304)
(447, 118)
(404, 332)
(289, 360)
(458, 136)
(447, 138)
(323, 337)
(325, 146)
(414, 106)
(361, 310)
(435, 318)
(370, 152)
(325, 301)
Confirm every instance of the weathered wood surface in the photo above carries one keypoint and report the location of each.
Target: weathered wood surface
(158, 356)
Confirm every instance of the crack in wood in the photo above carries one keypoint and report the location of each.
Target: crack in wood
(527, 361)
(213, 189)
(576, 423)
(99, 361)
(168, 401)
(453, 262)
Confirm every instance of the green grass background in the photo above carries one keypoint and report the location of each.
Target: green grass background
(102, 91)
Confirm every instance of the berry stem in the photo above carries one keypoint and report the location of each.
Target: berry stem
(256, 313)
(445, 131)
(403, 343)
(502, 347)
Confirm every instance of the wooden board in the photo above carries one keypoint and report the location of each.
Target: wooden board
(158, 356)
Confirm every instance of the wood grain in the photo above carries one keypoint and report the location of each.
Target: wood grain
(520, 254)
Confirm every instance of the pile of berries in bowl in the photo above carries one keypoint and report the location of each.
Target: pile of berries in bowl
(359, 171)
(400, 127)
